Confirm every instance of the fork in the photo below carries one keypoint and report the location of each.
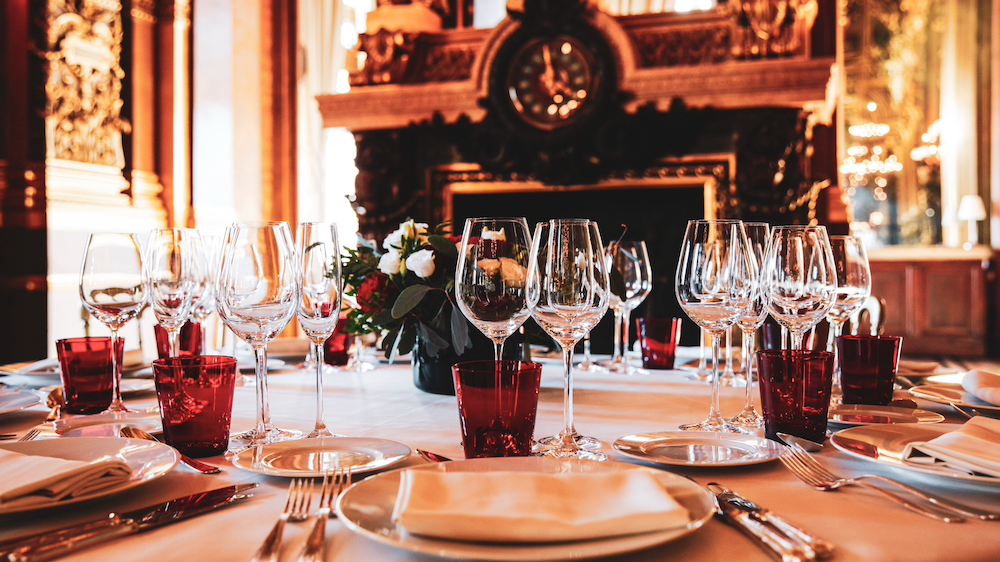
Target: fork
(296, 510)
(30, 435)
(315, 548)
(811, 472)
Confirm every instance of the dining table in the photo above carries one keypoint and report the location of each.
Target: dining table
(384, 403)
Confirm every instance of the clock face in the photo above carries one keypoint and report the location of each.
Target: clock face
(552, 80)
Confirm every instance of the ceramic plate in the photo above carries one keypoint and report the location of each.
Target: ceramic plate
(366, 508)
(694, 448)
(15, 401)
(885, 444)
(128, 386)
(951, 394)
(863, 414)
(148, 460)
(313, 457)
(102, 425)
(244, 365)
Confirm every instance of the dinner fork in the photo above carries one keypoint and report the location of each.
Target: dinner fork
(30, 435)
(315, 548)
(296, 510)
(810, 471)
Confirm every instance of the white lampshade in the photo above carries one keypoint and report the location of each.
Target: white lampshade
(971, 208)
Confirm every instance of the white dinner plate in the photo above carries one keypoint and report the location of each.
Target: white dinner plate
(864, 414)
(885, 444)
(102, 425)
(696, 448)
(148, 460)
(311, 458)
(128, 386)
(951, 394)
(366, 508)
(244, 366)
(16, 401)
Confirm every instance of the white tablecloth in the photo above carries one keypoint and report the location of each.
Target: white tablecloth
(384, 403)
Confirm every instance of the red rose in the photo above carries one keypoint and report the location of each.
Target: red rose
(374, 292)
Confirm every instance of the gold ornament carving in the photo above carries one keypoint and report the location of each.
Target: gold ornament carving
(84, 84)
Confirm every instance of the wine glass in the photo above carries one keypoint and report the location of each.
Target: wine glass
(631, 281)
(711, 291)
(206, 251)
(319, 297)
(257, 296)
(799, 278)
(568, 293)
(751, 318)
(113, 289)
(490, 276)
(854, 286)
(172, 277)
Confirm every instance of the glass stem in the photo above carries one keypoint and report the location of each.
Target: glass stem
(567, 433)
(798, 341)
(117, 405)
(174, 337)
(626, 318)
(263, 410)
(748, 347)
(317, 350)
(498, 349)
(616, 353)
(838, 328)
(714, 416)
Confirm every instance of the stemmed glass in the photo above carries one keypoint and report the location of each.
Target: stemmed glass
(319, 301)
(568, 294)
(751, 318)
(490, 276)
(799, 278)
(712, 292)
(257, 295)
(172, 277)
(630, 261)
(207, 249)
(113, 289)
(854, 286)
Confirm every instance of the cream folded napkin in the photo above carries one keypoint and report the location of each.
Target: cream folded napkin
(917, 367)
(30, 479)
(984, 385)
(974, 448)
(526, 507)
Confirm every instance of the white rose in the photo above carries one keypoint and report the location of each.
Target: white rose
(420, 231)
(394, 240)
(421, 263)
(389, 262)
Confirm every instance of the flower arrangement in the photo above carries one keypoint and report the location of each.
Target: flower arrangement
(407, 289)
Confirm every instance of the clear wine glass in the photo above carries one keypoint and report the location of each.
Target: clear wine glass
(799, 278)
(206, 250)
(490, 276)
(854, 286)
(629, 267)
(172, 278)
(751, 318)
(257, 296)
(113, 289)
(319, 297)
(568, 294)
(711, 291)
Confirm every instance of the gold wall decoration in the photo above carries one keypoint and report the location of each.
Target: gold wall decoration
(83, 89)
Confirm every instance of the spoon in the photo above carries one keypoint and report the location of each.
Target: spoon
(136, 433)
(56, 402)
(432, 457)
(809, 446)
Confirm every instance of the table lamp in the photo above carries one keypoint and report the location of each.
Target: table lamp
(972, 209)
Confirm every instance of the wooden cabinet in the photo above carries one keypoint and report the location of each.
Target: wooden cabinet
(936, 298)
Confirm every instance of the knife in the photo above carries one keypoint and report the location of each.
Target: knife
(822, 549)
(776, 543)
(52, 544)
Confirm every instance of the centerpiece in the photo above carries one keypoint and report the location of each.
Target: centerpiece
(406, 290)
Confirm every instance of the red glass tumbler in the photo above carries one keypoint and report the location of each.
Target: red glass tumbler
(196, 402)
(336, 349)
(795, 392)
(85, 366)
(868, 367)
(189, 336)
(497, 401)
(658, 338)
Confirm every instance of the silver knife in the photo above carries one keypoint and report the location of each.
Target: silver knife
(778, 545)
(822, 549)
(52, 544)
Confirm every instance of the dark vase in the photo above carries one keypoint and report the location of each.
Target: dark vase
(432, 373)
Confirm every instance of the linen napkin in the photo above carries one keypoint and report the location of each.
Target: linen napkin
(974, 448)
(530, 507)
(917, 367)
(984, 385)
(36, 480)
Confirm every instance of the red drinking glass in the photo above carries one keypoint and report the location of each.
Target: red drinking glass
(189, 339)
(795, 390)
(658, 338)
(868, 367)
(337, 347)
(196, 402)
(86, 372)
(497, 401)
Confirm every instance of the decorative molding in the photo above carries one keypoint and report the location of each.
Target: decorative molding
(84, 82)
(144, 10)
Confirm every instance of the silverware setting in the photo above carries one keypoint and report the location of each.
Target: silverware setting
(30, 436)
(431, 457)
(810, 471)
(296, 510)
(136, 433)
(315, 547)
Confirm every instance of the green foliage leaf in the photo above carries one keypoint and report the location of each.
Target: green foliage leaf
(390, 343)
(407, 299)
(459, 331)
(444, 247)
(407, 339)
(432, 340)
